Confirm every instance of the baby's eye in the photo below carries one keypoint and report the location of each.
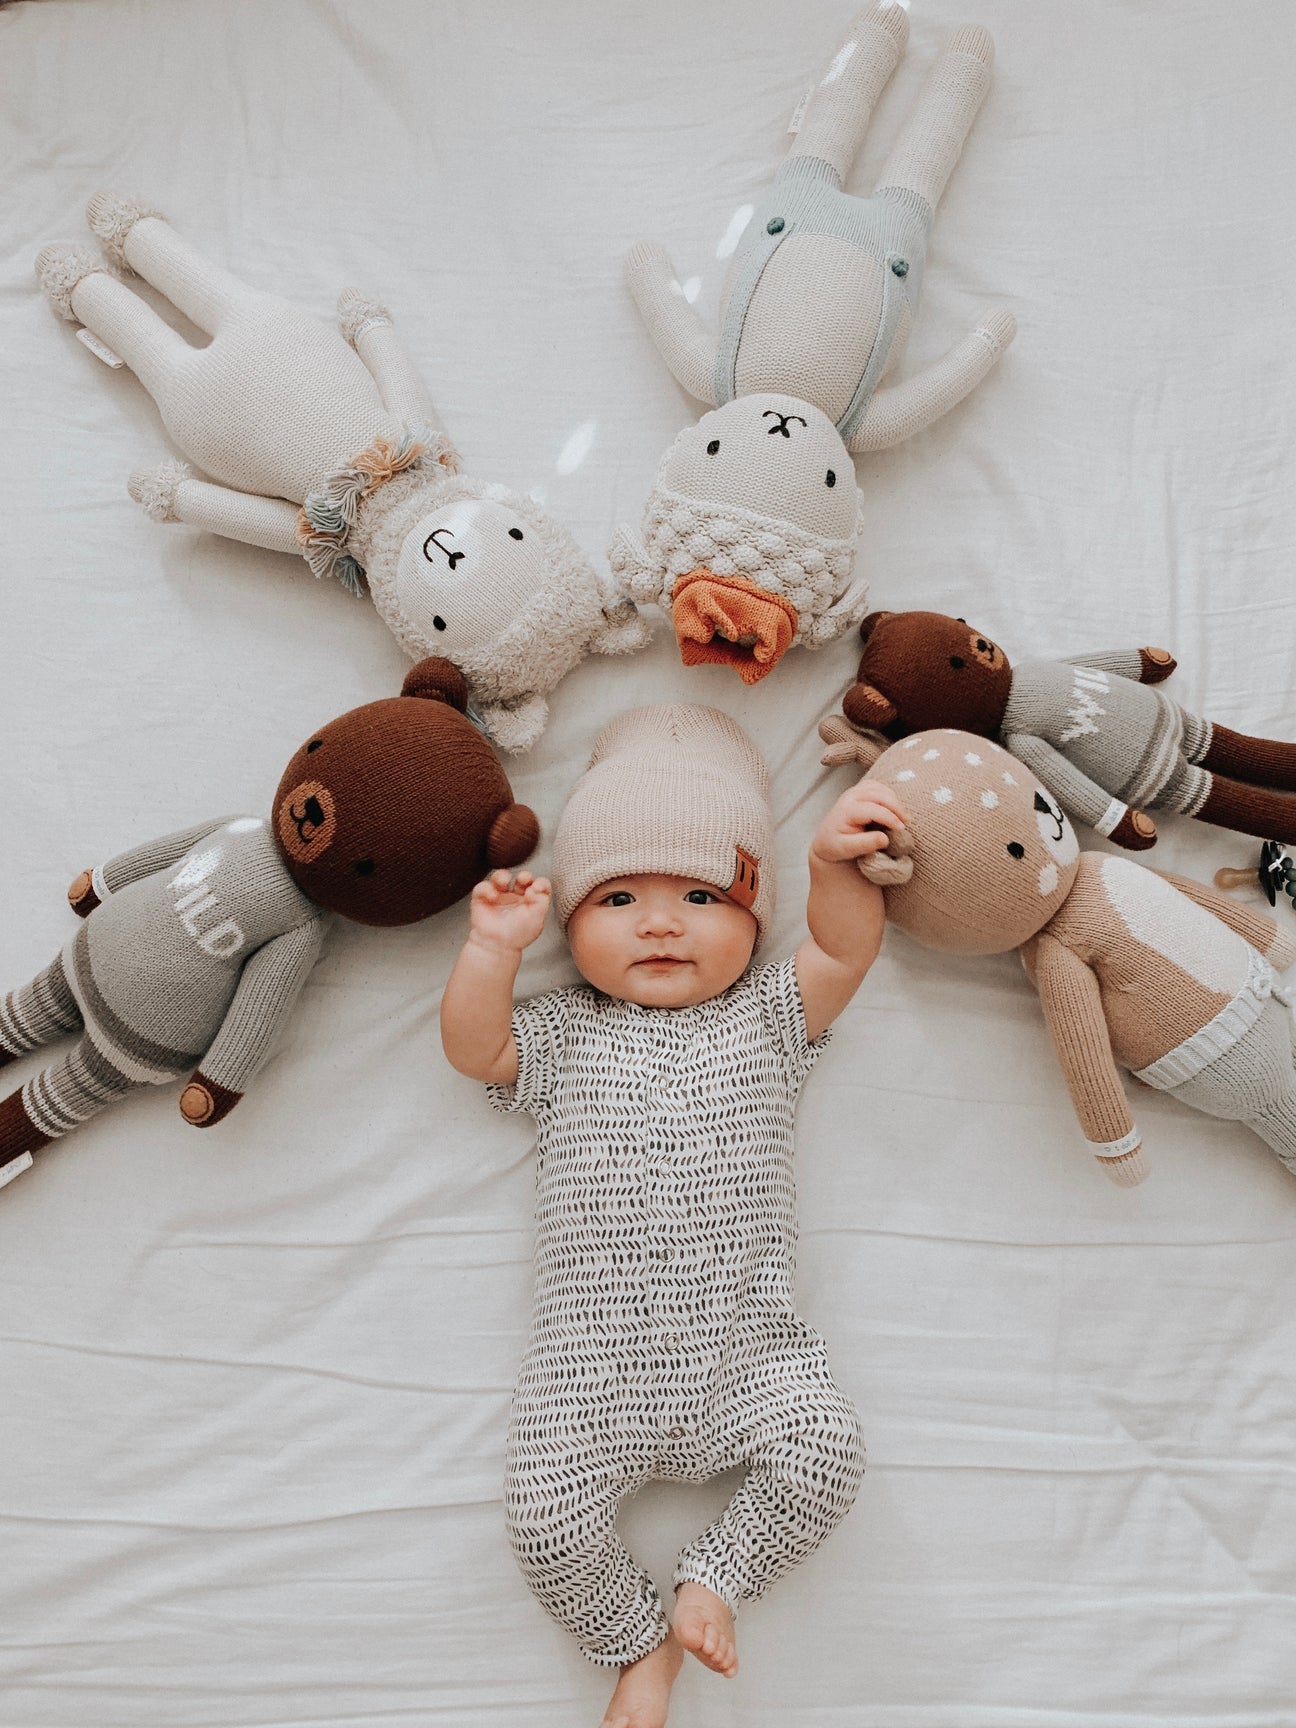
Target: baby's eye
(700, 897)
(622, 897)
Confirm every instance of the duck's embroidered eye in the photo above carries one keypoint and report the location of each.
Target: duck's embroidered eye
(438, 623)
(1016, 849)
(364, 867)
(515, 534)
(713, 446)
(314, 744)
(830, 479)
(956, 661)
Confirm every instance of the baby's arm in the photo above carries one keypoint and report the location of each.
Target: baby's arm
(507, 914)
(846, 914)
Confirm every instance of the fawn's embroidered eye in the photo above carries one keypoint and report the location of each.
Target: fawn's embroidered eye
(1016, 849)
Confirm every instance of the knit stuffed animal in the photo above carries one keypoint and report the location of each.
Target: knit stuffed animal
(749, 534)
(328, 448)
(1104, 744)
(195, 946)
(1158, 974)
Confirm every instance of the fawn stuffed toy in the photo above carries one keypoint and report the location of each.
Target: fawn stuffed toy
(1104, 743)
(1158, 974)
(749, 534)
(195, 946)
(323, 443)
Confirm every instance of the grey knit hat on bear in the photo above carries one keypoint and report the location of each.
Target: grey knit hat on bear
(673, 790)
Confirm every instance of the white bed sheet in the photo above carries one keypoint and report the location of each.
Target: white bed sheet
(255, 1383)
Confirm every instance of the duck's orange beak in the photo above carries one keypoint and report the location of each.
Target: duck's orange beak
(729, 621)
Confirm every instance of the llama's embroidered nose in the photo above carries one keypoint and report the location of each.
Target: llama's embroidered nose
(784, 421)
(729, 621)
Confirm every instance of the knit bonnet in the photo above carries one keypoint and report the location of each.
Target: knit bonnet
(675, 790)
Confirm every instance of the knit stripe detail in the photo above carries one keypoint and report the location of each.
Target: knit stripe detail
(134, 1055)
(101, 888)
(1110, 818)
(39, 1012)
(1234, 1020)
(1126, 1172)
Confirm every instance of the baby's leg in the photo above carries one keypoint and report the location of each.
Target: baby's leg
(38, 1013)
(805, 1465)
(562, 1505)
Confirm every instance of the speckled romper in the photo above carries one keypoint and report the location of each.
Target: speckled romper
(664, 1342)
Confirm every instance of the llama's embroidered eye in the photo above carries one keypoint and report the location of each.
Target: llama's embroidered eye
(956, 661)
(1016, 849)
(713, 447)
(830, 479)
(314, 744)
(438, 623)
(364, 867)
(515, 534)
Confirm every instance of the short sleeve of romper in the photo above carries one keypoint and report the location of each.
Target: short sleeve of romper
(776, 990)
(540, 1029)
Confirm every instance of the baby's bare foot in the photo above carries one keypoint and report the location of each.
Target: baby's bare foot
(642, 1695)
(704, 1625)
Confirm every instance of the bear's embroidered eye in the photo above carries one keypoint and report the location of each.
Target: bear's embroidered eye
(364, 867)
(438, 623)
(956, 661)
(830, 479)
(515, 534)
(1016, 849)
(313, 745)
(713, 446)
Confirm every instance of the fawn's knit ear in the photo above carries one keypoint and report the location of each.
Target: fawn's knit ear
(438, 679)
(847, 744)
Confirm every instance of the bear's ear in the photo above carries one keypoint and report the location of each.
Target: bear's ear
(438, 679)
(865, 706)
(513, 837)
(870, 624)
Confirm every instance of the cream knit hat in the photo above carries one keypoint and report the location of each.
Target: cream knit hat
(673, 790)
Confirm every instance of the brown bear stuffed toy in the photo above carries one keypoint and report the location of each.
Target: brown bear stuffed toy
(1106, 745)
(195, 946)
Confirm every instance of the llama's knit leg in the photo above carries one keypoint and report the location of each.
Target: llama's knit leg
(154, 352)
(841, 104)
(1258, 761)
(1250, 809)
(143, 239)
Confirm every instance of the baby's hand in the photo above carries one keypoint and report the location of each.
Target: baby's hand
(860, 822)
(509, 912)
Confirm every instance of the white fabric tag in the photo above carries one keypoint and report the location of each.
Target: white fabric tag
(99, 349)
(15, 1167)
(794, 124)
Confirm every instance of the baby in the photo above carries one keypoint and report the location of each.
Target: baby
(664, 1342)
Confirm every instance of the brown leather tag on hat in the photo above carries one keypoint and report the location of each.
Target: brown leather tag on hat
(746, 883)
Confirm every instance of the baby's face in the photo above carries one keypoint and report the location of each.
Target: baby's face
(661, 941)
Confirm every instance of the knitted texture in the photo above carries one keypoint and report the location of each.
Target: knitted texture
(1093, 728)
(110, 219)
(517, 633)
(154, 489)
(675, 790)
(60, 270)
(329, 513)
(1133, 970)
(664, 1340)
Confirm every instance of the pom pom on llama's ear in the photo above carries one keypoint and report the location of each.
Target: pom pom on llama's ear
(847, 743)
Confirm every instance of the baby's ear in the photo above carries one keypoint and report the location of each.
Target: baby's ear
(846, 744)
(893, 865)
(438, 679)
(864, 705)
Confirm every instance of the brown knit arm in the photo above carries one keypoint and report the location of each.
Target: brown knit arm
(1257, 928)
(1072, 1003)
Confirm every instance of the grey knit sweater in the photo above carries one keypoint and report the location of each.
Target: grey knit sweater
(198, 949)
(1101, 743)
